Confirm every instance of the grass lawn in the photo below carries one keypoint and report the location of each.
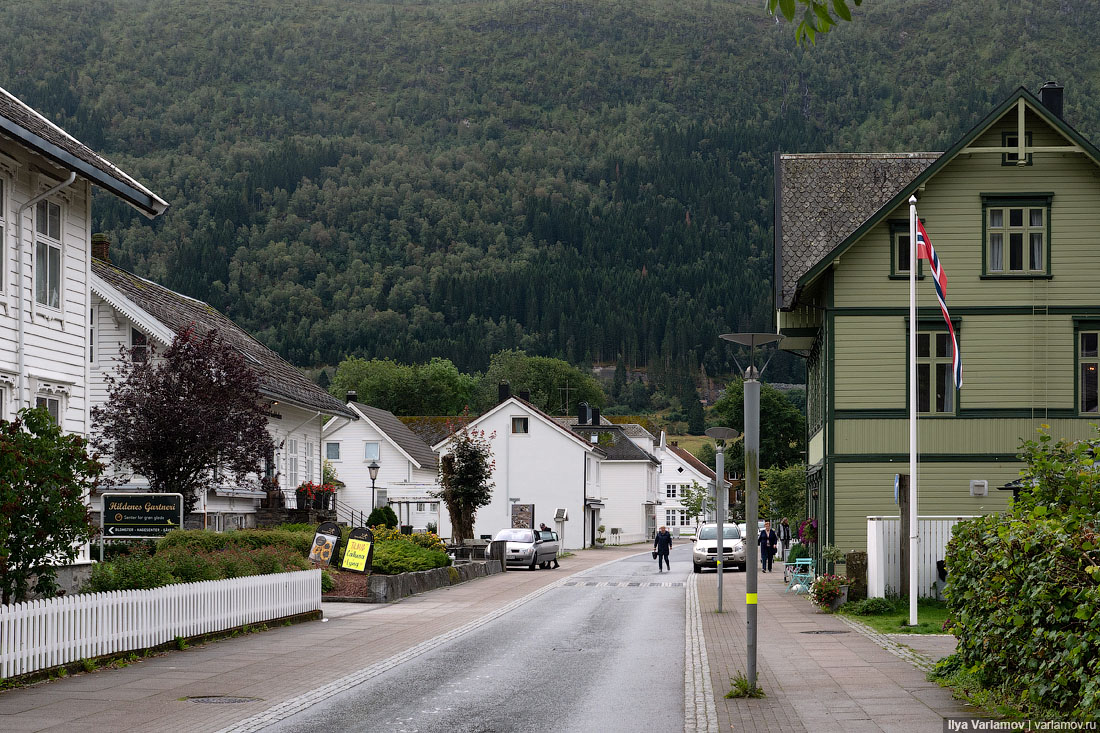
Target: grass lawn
(690, 443)
(930, 617)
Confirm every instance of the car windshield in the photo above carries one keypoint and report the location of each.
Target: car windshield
(730, 533)
(516, 535)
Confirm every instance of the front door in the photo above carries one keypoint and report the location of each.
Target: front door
(650, 521)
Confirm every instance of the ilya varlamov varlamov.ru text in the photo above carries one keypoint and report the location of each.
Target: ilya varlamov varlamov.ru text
(969, 724)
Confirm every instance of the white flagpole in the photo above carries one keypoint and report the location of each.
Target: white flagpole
(913, 410)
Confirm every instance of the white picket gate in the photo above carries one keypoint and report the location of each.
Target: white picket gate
(884, 553)
(46, 633)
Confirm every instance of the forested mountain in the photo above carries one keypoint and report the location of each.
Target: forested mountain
(577, 178)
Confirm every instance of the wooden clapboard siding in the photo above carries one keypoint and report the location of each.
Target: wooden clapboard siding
(800, 317)
(869, 359)
(958, 436)
(1017, 361)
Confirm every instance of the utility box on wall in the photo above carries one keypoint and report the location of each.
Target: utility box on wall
(979, 487)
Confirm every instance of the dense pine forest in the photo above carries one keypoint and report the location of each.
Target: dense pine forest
(581, 179)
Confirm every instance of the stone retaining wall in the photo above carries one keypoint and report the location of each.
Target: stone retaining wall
(388, 588)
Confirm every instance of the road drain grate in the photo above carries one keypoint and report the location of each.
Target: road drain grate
(825, 631)
(222, 700)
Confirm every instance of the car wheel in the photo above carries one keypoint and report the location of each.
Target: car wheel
(696, 568)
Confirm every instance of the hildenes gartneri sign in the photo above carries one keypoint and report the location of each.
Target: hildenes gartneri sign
(141, 515)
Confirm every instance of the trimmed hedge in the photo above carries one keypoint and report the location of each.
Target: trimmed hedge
(393, 557)
(180, 564)
(204, 540)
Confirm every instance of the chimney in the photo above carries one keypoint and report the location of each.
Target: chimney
(582, 413)
(101, 248)
(525, 395)
(504, 391)
(352, 396)
(673, 443)
(595, 416)
(1051, 97)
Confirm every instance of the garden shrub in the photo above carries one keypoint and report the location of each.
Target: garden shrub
(393, 557)
(136, 571)
(871, 607)
(382, 515)
(327, 583)
(1024, 588)
(797, 551)
(187, 566)
(203, 540)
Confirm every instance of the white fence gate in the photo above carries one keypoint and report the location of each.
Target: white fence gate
(46, 633)
(884, 553)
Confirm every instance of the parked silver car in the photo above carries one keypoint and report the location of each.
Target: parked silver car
(528, 547)
(705, 552)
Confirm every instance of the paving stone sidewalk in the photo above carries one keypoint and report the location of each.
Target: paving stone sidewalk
(273, 666)
(819, 673)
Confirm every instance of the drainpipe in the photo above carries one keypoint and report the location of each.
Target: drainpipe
(21, 348)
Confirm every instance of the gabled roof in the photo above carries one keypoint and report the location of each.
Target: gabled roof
(621, 447)
(811, 204)
(687, 457)
(431, 428)
(28, 127)
(633, 430)
(398, 434)
(163, 313)
(549, 420)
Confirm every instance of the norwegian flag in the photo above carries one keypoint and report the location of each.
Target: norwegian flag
(925, 251)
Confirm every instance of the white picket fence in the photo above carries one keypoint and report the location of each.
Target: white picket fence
(884, 553)
(46, 633)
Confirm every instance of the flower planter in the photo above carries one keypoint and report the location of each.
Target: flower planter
(839, 600)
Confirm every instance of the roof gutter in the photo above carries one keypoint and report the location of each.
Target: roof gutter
(21, 349)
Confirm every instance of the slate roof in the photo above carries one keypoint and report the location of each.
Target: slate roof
(621, 448)
(822, 198)
(278, 379)
(633, 430)
(24, 124)
(399, 433)
(689, 458)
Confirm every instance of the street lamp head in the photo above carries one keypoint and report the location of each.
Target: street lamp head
(373, 468)
(718, 433)
(752, 339)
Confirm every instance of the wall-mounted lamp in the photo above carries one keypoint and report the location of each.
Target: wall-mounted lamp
(814, 494)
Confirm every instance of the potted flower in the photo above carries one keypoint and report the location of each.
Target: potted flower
(807, 531)
(315, 496)
(600, 539)
(829, 591)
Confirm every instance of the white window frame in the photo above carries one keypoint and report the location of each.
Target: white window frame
(292, 462)
(3, 402)
(377, 451)
(5, 186)
(670, 491)
(91, 336)
(134, 333)
(309, 461)
(526, 422)
(48, 398)
(421, 507)
(328, 455)
(50, 242)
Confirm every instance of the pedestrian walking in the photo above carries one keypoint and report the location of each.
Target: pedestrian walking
(785, 537)
(768, 542)
(662, 543)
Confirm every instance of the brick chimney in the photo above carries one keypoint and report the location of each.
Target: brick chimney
(351, 397)
(1051, 95)
(101, 248)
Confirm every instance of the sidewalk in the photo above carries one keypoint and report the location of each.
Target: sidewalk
(818, 672)
(274, 666)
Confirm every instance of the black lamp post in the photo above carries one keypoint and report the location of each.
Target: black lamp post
(373, 468)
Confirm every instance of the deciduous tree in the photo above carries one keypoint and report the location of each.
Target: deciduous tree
(465, 474)
(782, 427)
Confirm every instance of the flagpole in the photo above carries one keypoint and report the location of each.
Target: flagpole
(913, 410)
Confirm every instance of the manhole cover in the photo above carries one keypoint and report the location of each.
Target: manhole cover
(826, 631)
(222, 699)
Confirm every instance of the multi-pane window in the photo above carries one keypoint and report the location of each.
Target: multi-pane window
(139, 345)
(292, 462)
(935, 378)
(1088, 359)
(670, 491)
(309, 461)
(370, 451)
(1017, 234)
(47, 254)
(421, 506)
(1012, 140)
(91, 336)
(3, 228)
(332, 451)
(52, 405)
(3, 396)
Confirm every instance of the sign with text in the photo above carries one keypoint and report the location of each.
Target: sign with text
(359, 554)
(324, 543)
(141, 516)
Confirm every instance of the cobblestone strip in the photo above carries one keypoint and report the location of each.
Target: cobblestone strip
(919, 661)
(295, 705)
(700, 715)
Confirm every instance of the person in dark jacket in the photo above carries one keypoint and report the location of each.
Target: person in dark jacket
(662, 543)
(785, 536)
(768, 541)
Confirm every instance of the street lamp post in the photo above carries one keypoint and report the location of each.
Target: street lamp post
(720, 436)
(373, 468)
(752, 483)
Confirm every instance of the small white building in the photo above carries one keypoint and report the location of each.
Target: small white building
(680, 470)
(128, 311)
(46, 179)
(408, 469)
(538, 462)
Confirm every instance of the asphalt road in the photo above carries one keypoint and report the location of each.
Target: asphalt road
(585, 656)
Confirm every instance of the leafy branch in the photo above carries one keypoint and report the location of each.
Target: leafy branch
(816, 17)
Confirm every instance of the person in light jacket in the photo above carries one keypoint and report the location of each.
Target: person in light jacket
(662, 544)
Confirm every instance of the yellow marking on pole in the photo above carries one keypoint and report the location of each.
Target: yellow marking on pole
(750, 599)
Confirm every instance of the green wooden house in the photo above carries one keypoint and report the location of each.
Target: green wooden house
(1013, 209)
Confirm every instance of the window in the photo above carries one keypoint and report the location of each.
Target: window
(670, 491)
(1017, 233)
(47, 254)
(3, 395)
(370, 451)
(1088, 359)
(139, 345)
(309, 461)
(935, 378)
(1012, 140)
(3, 242)
(670, 517)
(519, 425)
(332, 451)
(421, 506)
(91, 336)
(292, 462)
(52, 406)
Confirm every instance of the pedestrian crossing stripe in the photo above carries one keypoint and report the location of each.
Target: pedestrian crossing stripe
(750, 599)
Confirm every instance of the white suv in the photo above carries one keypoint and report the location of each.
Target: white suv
(705, 552)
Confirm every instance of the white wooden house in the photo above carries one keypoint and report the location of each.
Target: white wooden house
(541, 462)
(129, 311)
(46, 179)
(680, 470)
(407, 467)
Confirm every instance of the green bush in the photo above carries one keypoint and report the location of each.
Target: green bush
(202, 540)
(297, 527)
(396, 556)
(327, 583)
(382, 515)
(187, 566)
(871, 607)
(136, 571)
(797, 551)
